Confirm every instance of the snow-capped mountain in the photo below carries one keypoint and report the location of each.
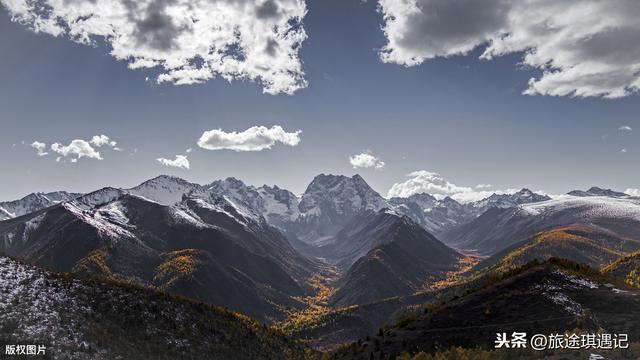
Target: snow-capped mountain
(498, 228)
(433, 215)
(502, 201)
(164, 189)
(438, 216)
(330, 201)
(202, 246)
(33, 202)
(278, 206)
(596, 191)
(339, 194)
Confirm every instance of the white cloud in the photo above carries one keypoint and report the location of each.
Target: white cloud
(40, 148)
(625, 128)
(483, 186)
(255, 138)
(623, 150)
(99, 140)
(77, 149)
(632, 192)
(180, 161)
(425, 181)
(433, 183)
(366, 160)
(583, 47)
(191, 41)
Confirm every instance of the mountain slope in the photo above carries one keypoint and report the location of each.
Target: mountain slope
(498, 229)
(387, 255)
(116, 234)
(503, 201)
(433, 215)
(538, 299)
(596, 191)
(439, 216)
(626, 269)
(586, 244)
(33, 202)
(100, 320)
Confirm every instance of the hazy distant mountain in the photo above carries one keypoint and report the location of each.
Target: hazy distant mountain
(387, 254)
(207, 247)
(433, 215)
(596, 191)
(33, 202)
(438, 216)
(78, 319)
(498, 229)
(502, 201)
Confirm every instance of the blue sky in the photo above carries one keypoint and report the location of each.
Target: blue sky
(459, 116)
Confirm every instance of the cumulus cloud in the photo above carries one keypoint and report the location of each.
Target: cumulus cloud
(483, 186)
(433, 183)
(40, 148)
(623, 151)
(191, 41)
(583, 48)
(180, 161)
(77, 149)
(625, 128)
(366, 160)
(255, 138)
(102, 140)
(425, 181)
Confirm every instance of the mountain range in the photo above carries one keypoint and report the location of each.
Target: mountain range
(339, 251)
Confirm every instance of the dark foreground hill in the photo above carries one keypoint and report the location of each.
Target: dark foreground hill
(85, 319)
(554, 297)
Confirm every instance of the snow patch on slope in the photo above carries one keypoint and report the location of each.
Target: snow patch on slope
(597, 206)
(99, 221)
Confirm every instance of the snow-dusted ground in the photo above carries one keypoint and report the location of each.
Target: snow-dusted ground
(591, 207)
(556, 291)
(30, 307)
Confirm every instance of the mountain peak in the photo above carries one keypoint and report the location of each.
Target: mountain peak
(331, 200)
(166, 178)
(32, 202)
(597, 191)
(164, 189)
